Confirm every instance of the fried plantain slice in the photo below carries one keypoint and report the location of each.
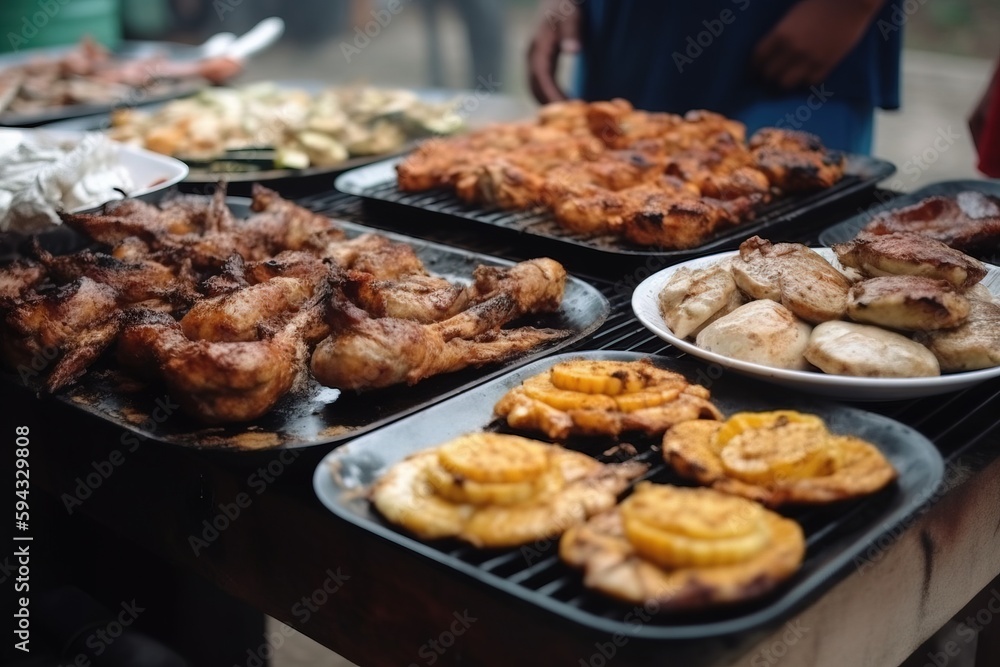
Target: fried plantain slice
(489, 457)
(610, 378)
(790, 461)
(684, 548)
(592, 398)
(430, 499)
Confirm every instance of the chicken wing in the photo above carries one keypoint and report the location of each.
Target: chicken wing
(219, 382)
(65, 329)
(365, 353)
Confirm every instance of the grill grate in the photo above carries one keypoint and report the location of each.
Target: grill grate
(378, 182)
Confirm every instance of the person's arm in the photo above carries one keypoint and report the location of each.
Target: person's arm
(812, 39)
(558, 32)
(977, 121)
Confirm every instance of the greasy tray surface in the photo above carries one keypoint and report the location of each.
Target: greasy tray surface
(319, 414)
(378, 181)
(126, 50)
(848, 229)
(835, 536)
(645, 304)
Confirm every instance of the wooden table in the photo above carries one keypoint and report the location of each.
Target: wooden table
(377, 604)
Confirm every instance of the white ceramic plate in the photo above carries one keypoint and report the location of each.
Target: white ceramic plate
(150, 172)
(645, 303)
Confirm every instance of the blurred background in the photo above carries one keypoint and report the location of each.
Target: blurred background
(951, 46)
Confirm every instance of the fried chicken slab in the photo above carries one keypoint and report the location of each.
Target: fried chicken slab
(655, 179)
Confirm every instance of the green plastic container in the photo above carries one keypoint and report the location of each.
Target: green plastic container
(32, 24)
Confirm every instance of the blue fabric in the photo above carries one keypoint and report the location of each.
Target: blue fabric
(842, 124)
(665, 55)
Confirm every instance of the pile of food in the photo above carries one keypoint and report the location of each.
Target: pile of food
(91, 75)
(43, 175)
(302, 129)
(681, 548)
(897, 305)
(231, 315)
(656, 179)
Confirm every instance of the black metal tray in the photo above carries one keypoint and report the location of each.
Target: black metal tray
(835, 535)
(319, 415)
(844, 231)
(378, 182)
(140, 97)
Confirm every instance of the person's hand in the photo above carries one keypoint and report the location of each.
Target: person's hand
(558, 32)
(811, 40)
(977, 120)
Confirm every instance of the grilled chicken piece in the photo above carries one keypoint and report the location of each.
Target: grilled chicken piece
(365, 353)
(67, 329)
(416, 297)
(973, 345)
(795, 161)
(208, 237)
(18, 277)
(377, 255)
(219, 382)
(614, 170)
(286, 225)
(910, 255)
(246, 314)
(501, 184)
(676, 223)
(846, 348)
(967, 221)
(536, 285)
(910, 303)
(134, 281)
(590, 209)
(791, 273)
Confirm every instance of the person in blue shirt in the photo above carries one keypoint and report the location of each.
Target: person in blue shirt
(822, 66)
